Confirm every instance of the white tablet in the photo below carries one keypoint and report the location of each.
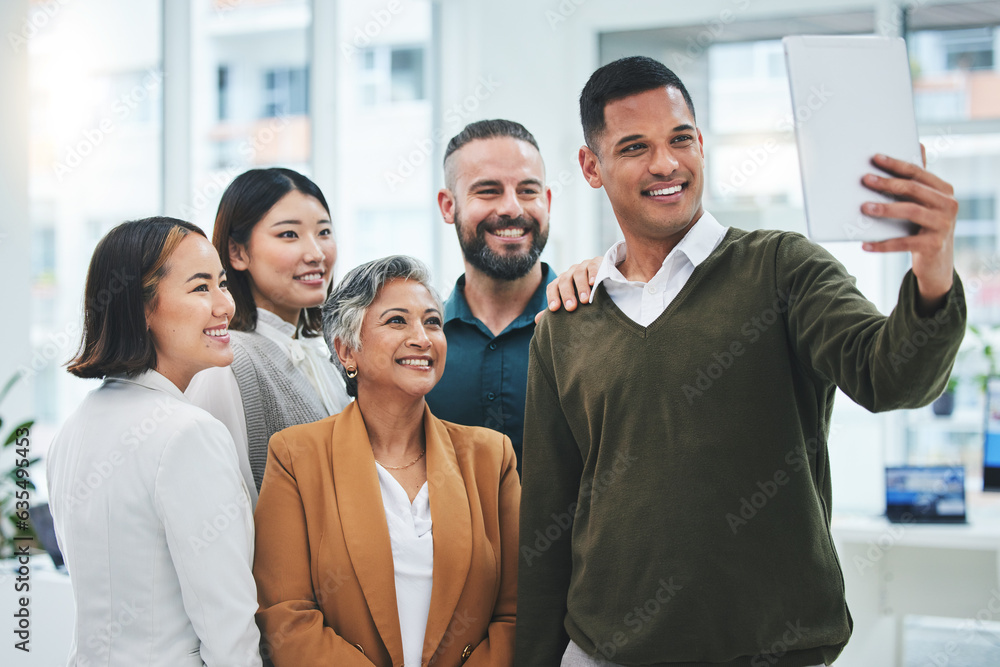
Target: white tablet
(851, 98)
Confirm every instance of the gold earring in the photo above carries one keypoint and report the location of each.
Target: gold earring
(352, 372)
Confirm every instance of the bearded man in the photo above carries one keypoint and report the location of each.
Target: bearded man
(495, 195)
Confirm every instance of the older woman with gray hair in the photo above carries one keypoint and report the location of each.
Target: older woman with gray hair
(386, 536)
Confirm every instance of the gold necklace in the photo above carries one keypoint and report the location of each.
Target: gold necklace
(402, 467)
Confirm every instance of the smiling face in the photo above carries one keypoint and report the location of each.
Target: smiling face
(499, 205)
(289, 256)
(189, 323)
(403, 348)
(650, 162)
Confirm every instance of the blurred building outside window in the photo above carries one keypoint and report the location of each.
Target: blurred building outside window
(391, 74)
(957, 98)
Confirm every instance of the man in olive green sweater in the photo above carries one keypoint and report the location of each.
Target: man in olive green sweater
(676, 486)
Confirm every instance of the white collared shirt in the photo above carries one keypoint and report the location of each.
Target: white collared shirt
(309, 355)
(412, 540)
(644, 302)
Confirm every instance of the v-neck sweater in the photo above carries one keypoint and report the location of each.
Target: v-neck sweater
(676, 477)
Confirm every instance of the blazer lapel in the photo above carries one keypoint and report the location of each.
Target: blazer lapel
(452, 530)
(359, 500)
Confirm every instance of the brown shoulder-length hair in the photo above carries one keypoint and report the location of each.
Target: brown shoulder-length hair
(125, 271)
(244, 203)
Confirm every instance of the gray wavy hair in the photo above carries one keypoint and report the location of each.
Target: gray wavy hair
(345, 308)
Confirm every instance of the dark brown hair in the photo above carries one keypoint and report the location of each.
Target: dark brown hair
(483, 129)
(244, 203)
(125, 271)
(623, 78)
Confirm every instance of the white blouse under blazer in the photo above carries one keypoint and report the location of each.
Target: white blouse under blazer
(154, 520)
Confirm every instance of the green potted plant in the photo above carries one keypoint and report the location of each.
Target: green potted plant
(983, 335)
(944, 404)
(977, 361)
(12, 483)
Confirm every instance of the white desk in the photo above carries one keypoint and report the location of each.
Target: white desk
(892, 570)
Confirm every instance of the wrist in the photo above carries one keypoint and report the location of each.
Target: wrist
(931, 295)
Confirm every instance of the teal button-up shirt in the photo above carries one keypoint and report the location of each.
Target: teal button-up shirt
(486, 377)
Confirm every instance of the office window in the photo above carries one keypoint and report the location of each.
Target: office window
(95, 153)
(286, 92)
(43, 275)
(975, 215)
(968, 50)
(250, 94)
(46, 391)
(407, 75)
(222, 89)
(747, 87)
(954, 74)
(753, 157)
(43, 255)
(386, 142)
(392, 75)
(391, 231)
(134, 95)
(956, 89)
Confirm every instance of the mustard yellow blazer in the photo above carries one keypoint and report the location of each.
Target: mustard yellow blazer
(323, 563)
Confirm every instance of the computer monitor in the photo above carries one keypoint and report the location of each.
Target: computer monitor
(41, 521)
(991, 438)
(925, 494)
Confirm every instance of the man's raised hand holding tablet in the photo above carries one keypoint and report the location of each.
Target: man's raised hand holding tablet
(927, 201)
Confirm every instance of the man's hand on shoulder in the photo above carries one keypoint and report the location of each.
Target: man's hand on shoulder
(572, 284)
(929, 202)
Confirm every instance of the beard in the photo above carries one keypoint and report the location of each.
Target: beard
(502, 266)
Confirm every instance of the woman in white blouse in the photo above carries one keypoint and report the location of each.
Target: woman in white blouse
(274, 235)
(386, 536)
(151, 512)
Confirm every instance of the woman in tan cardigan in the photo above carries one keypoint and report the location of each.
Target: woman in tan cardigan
(386, 536)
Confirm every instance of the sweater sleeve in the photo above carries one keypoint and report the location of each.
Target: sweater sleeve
(550, 487)
(882, 363)
(289, 616)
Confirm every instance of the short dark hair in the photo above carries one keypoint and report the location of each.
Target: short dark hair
(620, 79)
(244, 203)
(485, 129)
(125, 271)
